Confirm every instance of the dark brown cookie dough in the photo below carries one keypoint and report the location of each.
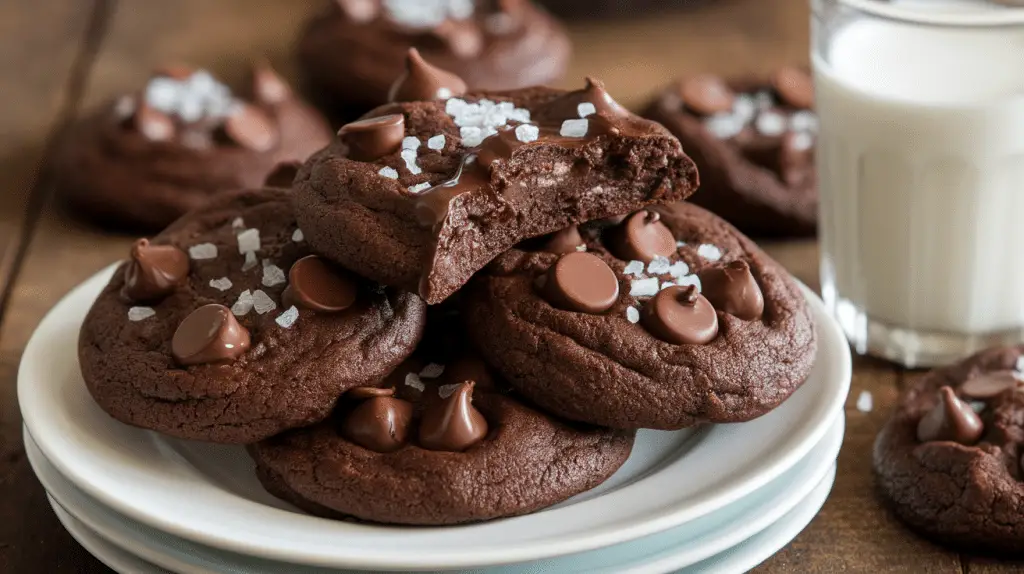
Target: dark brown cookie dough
(351, 54)
(148, 158)
(195, 339)
(509, 460)
(661, 355)
(949, 460)
(753, 141)
(473, 176)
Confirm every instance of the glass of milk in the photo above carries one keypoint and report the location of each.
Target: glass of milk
(921, 167)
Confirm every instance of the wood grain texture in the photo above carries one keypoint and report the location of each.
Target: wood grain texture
(853, 533)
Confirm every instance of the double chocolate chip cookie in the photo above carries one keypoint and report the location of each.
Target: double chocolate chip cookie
(226, 328)
(150, 157)
(443, 442)
(664, 319)
(352, 53)
(422, 194)
(753, 142)
(949, 461)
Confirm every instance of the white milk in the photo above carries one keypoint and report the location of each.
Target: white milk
(921, 163)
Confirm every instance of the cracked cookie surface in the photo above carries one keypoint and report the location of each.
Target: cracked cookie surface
(614, 367)
(962, 489)
(279, 365)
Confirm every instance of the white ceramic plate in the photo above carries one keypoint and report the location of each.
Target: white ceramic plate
(208, 494)
(740, 558)
(677, 547)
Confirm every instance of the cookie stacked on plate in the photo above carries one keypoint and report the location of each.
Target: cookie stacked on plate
(462, 310)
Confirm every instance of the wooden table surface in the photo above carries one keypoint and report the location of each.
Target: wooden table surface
(58, 58)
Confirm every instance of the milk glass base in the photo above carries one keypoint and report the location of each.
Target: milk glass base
(909, 347)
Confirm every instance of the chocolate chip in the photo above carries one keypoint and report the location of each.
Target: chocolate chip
(707, 94)
(567, 107)
(681, 316)
(153, 124)
(210, 334)
(989, 385)
(154, 271)
(453, 424)
(317, 285)
(250, 128)
(283, 174)
(950, 420)
(422, 82)
(581, 282)
(380, 424)
(564, 241)
(733, 289)
(267, 86)
(795, 87)
(369, 393)
(464, 38)
(643, 237)
(373, 138)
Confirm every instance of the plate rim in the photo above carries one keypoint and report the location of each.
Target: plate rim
(829, 334)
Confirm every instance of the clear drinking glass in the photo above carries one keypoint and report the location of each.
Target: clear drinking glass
(921, 168)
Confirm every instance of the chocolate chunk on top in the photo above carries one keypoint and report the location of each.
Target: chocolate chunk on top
(950, 419)
(154, 271)
(514, 165)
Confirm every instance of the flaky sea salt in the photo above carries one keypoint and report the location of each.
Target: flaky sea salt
(140, 313)
(659, 265)
(388, 172)
(803, 121)
(666, 285)
(203, 251)
(801, 141)
(436, 142)
(865, 402)
(585, 109)
(724, 126)
(238, 224)
(250, 261)
(244, 303)
(413, 380)
(443, 93)
(744, 108)
(581, 248)
(977, 406)
(644, 287)
(249, 240)
(288, 318)
(298, 236)
(689, 280)
(574, 128)
(409, 155)
(272, 274)
(632, 315)
(471, 136)
(448, 390)
(709, 252)
(679, 269)
(432, 371)
(771, 124)
(764, 100)
(527, 133)
(222, 284)
(262, 302)
(680, 244)
(419, 187)
(410, 142)
(635, 268)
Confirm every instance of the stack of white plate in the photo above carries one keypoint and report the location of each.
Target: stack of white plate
(721, 498)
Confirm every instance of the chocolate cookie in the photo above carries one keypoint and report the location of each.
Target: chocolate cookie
(421, 195)
(753, 142)
(949, 460)
(445, 444)
(667, 319)
(224, 328)
(148, 158)
(351, 54)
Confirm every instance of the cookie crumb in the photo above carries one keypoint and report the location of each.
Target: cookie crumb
(262, 302)
(632, 315)
(272, 274)
(222, 284)
(865, 402)
(436, 142)
(709, 252)
(140, 313)
(413, 380)
(585, 109)
(432, 371)
(388, 172)
(644, 287)
(288, 318)
(298, 236)
(244, 304)
(249, 240)
(203, 251)
(574, 128)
